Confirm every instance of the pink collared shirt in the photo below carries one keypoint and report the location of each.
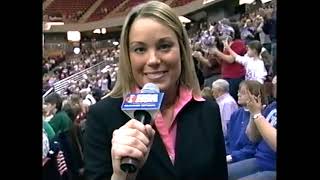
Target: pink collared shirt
(168, 132)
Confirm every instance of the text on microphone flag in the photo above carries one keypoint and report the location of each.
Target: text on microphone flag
(142, 98)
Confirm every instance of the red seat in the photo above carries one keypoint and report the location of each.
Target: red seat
(177, 3)
(109, 4)
(67, 7)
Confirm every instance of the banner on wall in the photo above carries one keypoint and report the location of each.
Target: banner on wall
(55, 17)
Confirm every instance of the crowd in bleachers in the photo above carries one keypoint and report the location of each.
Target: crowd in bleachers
(51, 62)
(243, 91)
(73, 17)
(213, 41)
(71, 12)
(103, 9)
(64, 113)
(66, 18)
(67, 10)
(234, 61)
(87, 59)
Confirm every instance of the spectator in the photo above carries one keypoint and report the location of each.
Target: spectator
(248, 31)
(46, 114)
(60, 121)
(269, 28)
(197, 49)
(261, 129)
(76, 103)
(239, 147)
(263, 37)
(54, 167)
(267, 59)
(105, 82)
(208, 63)
(255, 69)
(274, 67)
(72, 144)
(146, 57)
(97, 94)
(52, 80)
(226, 29)
(232, 71)
(45, 146)
(199, 73)
(88, 99)
(105, 10)
(227, 105)
(206, 93)
(48, 129)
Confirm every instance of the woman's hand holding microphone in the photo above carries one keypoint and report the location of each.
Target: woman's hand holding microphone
(133, 140)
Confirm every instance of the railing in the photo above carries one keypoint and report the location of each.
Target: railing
(58, 46)
(104, 43)
(63, 84)
(69, 48)
(48, 92)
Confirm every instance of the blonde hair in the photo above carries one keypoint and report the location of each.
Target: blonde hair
(163, 14)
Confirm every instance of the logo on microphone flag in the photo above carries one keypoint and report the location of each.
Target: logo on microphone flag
(150, 102)
(142, 101)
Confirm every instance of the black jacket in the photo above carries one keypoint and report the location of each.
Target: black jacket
(71, 151)
(200, 150)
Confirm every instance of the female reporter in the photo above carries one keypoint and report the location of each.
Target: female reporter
(186, 140)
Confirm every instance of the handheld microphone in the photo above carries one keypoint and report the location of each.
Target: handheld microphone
(141, 106)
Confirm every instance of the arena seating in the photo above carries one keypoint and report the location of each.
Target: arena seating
(93, 73)
(68, 7)
(99, 14)
(129, 4)
(177, 3)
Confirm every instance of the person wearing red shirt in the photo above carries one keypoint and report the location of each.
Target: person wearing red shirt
(232, 71)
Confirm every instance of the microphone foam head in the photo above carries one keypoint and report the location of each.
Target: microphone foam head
(150, 88)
